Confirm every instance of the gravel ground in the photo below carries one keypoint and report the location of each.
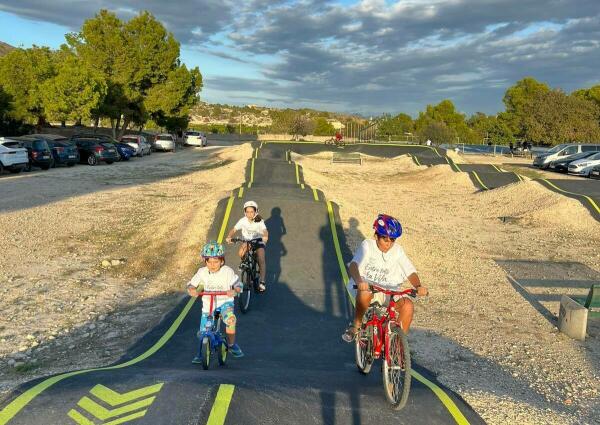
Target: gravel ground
(95, 256)
(476, 332)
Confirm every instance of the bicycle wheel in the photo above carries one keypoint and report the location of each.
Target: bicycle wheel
(364, 349)
(244, 296)
(396, 367)
(222, 353)
(205, 352)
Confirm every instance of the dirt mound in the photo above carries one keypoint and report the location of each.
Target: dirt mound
(535, 205)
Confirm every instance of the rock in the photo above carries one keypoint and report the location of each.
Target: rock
(85, 335)
(71, 347)
(11, 362)
(113, 334)
(102, 317)
(105, 263)
(30, 337)
(17, 364)
(115, 262)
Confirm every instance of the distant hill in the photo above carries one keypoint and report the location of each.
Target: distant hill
(5, 48)
(254, 115)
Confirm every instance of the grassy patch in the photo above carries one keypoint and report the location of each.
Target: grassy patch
(27, 367)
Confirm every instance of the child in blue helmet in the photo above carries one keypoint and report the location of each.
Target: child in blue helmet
(381, 261)
(216, 276)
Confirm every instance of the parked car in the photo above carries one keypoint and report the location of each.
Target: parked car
(562, 165)
(595, 173)
(165, 142)
(63, 152)
(583, 167)
(92, 151)
(13, 157)
(563, 151)
(139, 143)
(194, 138)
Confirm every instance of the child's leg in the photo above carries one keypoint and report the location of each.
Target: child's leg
(243, 249)
(230, 320)
(262, 264)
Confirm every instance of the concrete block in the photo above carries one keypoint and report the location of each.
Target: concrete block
(572, 318)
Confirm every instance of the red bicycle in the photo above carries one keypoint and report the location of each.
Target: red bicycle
(380, 337)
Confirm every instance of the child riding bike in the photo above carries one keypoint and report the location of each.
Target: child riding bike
(216, 276)
(380, 260)
(253, 227)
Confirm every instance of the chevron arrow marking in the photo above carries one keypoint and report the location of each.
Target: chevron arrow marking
(82, 420)
(114, 398)
(104, 414)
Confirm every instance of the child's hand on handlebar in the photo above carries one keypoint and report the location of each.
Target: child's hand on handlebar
(231, 293)
(228, 240)
(422, 291)
(362, 286)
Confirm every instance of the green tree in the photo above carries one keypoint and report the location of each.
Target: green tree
(135, 57)
(22, 72)
(302, 125)
(518, 99)
(499, 133)
(553, 117)
(437, 132)
(74, 92)
(323, 128)
(395, 126)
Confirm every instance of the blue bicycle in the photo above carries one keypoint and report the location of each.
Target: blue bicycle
(211, 339)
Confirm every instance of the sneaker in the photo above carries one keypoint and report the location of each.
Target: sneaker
(236, 351)
(262, 287)
(197, 360)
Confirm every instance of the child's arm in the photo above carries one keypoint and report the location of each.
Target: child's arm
(194, 286)
(230, 235)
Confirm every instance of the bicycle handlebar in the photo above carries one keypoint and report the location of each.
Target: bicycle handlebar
(255, 240)
(411, 291)
(212, 293)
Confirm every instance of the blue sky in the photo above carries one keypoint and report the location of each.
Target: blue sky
(366, 56)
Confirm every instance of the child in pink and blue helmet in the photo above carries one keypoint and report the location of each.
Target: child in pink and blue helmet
(380, 260)
(216, 276)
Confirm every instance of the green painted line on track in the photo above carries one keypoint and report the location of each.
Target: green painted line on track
(479, 180)
(220, 407)
(439, 392)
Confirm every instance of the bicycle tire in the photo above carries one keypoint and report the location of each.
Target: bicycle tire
(364, 349)
(396, 367)
(222, 353)
(244, 296)
(205, 353)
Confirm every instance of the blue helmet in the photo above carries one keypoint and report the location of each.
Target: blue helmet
(386, 225)
(213, 249)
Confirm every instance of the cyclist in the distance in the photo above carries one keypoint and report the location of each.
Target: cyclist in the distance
(385, 264)
(252, 226)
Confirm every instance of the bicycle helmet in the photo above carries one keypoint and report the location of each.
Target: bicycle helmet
(251, 204)
(386, 225)
(213, 249)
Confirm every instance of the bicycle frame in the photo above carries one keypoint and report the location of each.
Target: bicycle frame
(211, 331)
(381, 322)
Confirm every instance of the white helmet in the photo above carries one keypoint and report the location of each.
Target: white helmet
(251, 204)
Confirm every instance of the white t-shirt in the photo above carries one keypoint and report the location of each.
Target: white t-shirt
(388, 270)
(223, 280)
(250, 229)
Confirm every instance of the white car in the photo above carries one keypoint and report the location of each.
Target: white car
(582, 167)
(164, 142)
(194, 138)
(12, 157)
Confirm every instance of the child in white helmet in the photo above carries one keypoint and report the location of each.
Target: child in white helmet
(253, 226)
(216, 276)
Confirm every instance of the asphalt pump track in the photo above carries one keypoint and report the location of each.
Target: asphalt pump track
(296, 369)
